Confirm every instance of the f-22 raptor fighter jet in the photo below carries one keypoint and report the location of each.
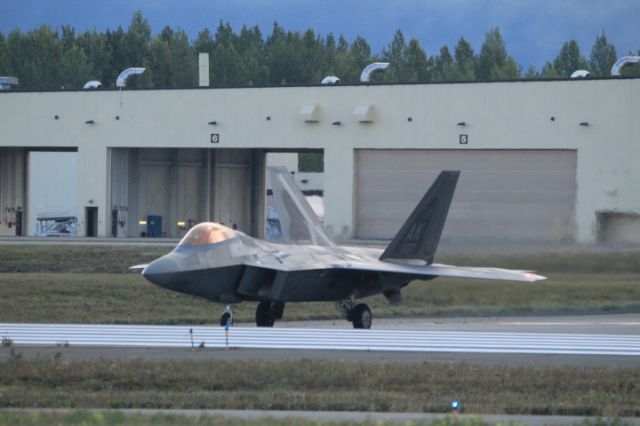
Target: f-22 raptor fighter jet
(228, 266)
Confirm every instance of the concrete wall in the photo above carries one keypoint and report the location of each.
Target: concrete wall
(503, 115)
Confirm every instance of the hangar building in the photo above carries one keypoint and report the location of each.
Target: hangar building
(540, 160)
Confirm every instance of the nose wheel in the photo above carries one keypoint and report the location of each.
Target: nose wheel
(227, 316)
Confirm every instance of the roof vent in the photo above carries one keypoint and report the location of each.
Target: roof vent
(330, 79)
(363, 113)
(580, 74)
(625, 60)
(371, 68)
(124, 75)
(310, 113)
(8, 82)
(93, 84)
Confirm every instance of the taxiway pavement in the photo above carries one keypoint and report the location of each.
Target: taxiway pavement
(567, 340)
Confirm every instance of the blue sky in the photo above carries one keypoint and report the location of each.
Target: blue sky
(533, 29)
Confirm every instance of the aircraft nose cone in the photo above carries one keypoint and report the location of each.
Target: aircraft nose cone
(161, 271)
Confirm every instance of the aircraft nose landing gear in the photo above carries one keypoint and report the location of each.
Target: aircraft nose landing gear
(227, 316)
(360, 314)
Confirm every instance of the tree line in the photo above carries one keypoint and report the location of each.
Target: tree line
(45, 58)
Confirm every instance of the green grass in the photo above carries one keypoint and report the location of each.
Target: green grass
(87, 284)
(76, 258)
(117, 258)
(109, 298)
(319, 385)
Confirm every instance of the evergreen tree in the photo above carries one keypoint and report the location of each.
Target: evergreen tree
(282, 56)
(136, 50)
(494, 63)
(415, 59)
(603, 56)
(549, 71)
(183, 60)
(160, 62)
(75, 69)
(531, 73)
(118, 62)
(36, 58)
(5, 62)
(443, 67)
(394, 54)
(251, 49)
(312, 65)
(95, 48)
(466, 60)
(569, 59)
(345, 63)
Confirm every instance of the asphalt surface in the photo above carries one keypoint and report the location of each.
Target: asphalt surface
(593, 324)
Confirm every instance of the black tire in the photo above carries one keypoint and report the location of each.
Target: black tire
(264, 316)
(361, 316)
(225, 318)
(277, 310)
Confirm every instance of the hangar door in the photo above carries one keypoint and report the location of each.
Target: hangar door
(501, 194)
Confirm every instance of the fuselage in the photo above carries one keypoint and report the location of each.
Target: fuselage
(228, 266)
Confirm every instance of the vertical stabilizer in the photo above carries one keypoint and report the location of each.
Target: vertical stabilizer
(298, 222)
(419, 237)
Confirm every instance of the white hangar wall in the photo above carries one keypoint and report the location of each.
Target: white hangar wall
(593, 119)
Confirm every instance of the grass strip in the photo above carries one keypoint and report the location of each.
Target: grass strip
(319, 385)
(124, 298)
(116, 259)
(116, 298)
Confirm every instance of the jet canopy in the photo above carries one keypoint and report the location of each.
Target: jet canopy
(207, 233)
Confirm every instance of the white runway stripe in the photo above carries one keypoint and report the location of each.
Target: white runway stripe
(321, 339)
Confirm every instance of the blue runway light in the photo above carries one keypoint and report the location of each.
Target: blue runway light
(455, 405)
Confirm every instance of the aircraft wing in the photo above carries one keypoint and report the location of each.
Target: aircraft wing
(440, 270)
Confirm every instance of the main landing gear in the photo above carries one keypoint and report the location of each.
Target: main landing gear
(268, 312)
(358, 314)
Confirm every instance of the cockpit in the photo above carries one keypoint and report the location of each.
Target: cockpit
(207, 233)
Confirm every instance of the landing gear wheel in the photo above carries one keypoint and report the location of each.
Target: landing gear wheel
(361, 316)
(264, 316)
(225, 319)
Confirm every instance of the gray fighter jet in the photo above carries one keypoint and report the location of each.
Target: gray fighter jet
(228, 266)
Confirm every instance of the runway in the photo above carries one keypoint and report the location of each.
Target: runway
(323, 339)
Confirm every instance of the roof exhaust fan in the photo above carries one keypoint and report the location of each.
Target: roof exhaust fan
(124, 75)
(371, 68)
